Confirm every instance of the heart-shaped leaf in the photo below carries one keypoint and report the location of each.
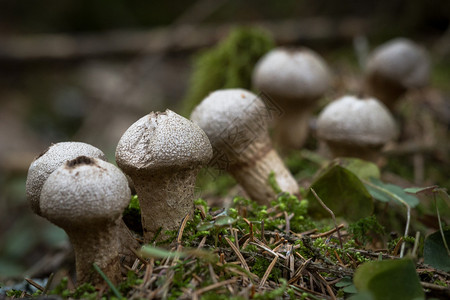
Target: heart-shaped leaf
(342, 192)
(435, 252)
(389, 279)
(386, 192)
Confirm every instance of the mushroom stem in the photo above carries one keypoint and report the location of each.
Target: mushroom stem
(371, 154)
(254, 175)
(85, 255)
(292, 129)
(165, 199)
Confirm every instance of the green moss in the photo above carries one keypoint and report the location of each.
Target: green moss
(284, 290)
(132, 280)
(84, 291)
(365, 229)
(273, 183)
(14, 293)
(228, 65)
(214, 296)
(260, 267)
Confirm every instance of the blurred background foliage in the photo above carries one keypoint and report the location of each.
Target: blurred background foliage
(93, 95)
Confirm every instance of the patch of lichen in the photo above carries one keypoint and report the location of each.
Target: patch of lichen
(227, 65)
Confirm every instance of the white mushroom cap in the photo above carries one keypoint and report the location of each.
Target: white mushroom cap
(401, 60)
(83, 192)
(162, 140)
(292, 74)
(231, 111)
(362, 122)
(48, 161)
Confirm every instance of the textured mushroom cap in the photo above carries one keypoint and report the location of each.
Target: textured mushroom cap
(162, 140)
(402, 61)
(48, 161)
(83, 192)
(356, 121)
(295, 74)
(231, 115)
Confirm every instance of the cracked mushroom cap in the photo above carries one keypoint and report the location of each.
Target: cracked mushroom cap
(162, 140)
(402, 61)
(231, 111)
(292, 74)
(48, 161)
(84, 191)
(350, 120)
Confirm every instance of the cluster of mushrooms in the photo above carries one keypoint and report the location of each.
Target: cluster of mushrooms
(73, 186)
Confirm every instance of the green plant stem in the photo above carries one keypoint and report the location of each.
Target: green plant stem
(110, 284)
(441, 229)
(331, 213)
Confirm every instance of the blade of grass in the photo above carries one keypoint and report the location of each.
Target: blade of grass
(110, 284)
(441, 229)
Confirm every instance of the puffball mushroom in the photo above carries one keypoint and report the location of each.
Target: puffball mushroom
(295, 79)
(356, 127)
(55, 156)
(48, 161)
(86, 197)
(395, 67)
(162, 153)
(236, 123)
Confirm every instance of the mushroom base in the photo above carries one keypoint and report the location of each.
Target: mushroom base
(165, 199)
(371, 154)
(254, 176)
(98, 245)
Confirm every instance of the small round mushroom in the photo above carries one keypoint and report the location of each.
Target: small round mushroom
(295, 79)
(52, 158)
(86, 198)
(162, 153)
(236, 123)
(395, 67)
(355, 127)
(48, 161)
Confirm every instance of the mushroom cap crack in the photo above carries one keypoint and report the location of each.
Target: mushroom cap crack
(163, 140)
(84, 191)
